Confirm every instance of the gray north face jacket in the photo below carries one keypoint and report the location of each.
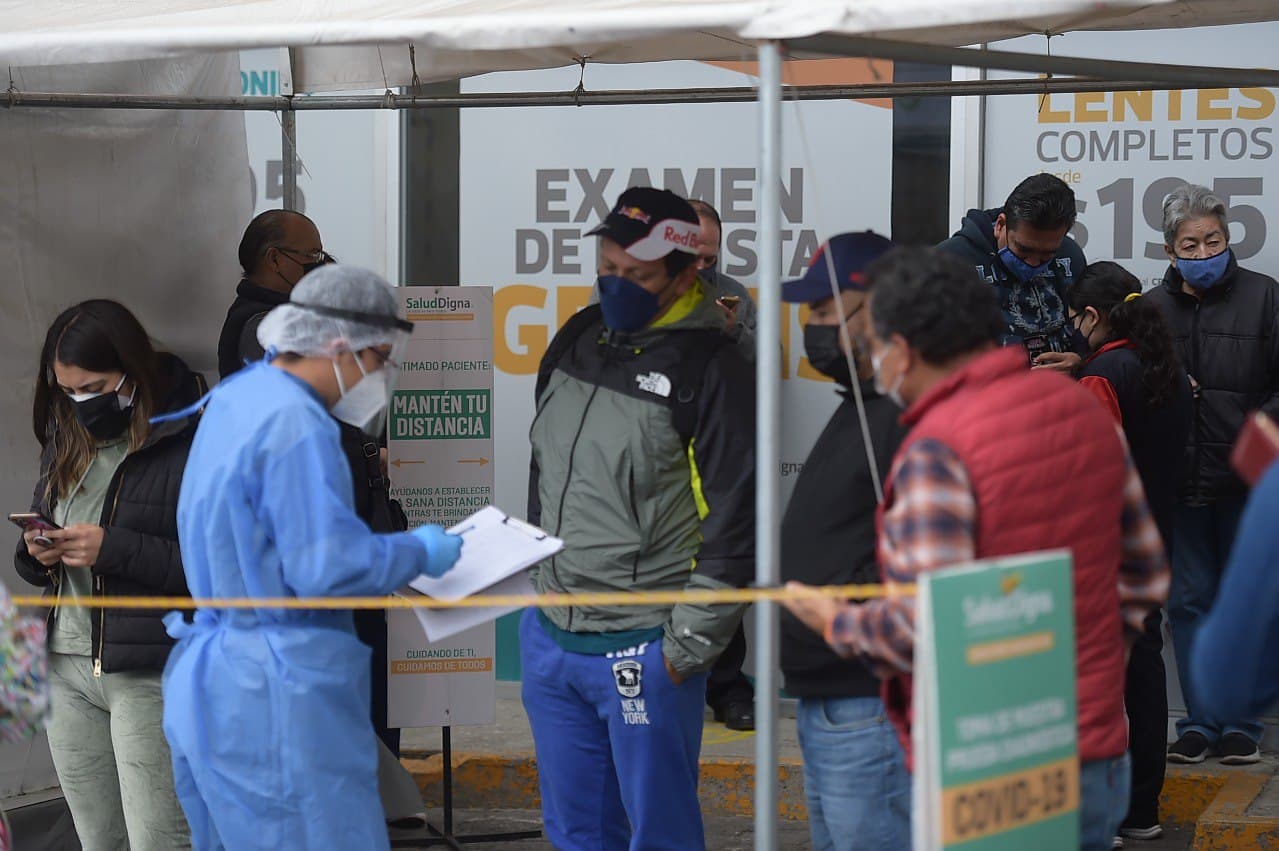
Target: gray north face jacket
(644, 463)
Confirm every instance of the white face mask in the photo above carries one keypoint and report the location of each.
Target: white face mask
(364, 405)
(894, 392)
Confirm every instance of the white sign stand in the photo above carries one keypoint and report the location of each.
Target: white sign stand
(440, 448)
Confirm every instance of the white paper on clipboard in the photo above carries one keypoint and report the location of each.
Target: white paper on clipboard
(439, 624)
(497, 551)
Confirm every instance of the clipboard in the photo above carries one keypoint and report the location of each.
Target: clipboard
(497, 550)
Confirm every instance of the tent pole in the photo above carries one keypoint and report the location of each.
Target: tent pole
(768, 441)
(289, 158)
(289, 136)
(731, 94)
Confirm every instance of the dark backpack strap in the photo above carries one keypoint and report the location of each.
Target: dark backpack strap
(564, 340)
(699, 349)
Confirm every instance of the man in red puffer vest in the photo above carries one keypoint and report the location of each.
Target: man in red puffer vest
(993, 448)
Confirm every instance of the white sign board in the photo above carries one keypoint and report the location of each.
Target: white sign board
(1122, 152)
(525, 208)
(440, 449)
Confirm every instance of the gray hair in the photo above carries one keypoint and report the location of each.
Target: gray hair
(1190, 201)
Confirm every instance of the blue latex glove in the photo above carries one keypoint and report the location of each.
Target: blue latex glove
(442, 549)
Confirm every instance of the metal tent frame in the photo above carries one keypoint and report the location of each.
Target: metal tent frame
(1084, 75)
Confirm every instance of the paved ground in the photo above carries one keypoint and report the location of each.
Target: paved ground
(724, 833)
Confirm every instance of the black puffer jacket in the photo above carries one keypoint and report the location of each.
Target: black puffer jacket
(139, 555)
(1229, 343)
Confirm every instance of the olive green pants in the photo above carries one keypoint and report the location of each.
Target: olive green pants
(107, 738)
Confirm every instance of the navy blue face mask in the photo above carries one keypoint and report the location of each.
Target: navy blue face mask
(1020, 268)
(626, 305)
(1205, 273)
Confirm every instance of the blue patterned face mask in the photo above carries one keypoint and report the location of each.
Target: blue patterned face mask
(1020, 268)
(1206, 273)
(626, 305)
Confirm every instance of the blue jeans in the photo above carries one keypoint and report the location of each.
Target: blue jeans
(855, 776)
(1103, 801)
(1202, 542)
(617, 746)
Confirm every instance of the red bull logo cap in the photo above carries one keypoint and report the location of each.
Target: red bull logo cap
(651, 223)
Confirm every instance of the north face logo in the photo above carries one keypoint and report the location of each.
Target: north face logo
(654, 383)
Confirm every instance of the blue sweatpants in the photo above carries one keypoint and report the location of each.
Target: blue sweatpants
(617, 746)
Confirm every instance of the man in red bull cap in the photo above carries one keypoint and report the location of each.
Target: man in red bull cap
(644, 463)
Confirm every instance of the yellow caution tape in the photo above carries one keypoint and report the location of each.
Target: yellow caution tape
(608, 598)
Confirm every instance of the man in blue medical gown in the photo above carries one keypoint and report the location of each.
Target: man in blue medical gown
(267, 709)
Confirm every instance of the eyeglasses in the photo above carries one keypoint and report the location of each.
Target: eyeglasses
(385, 359)
(320, 256)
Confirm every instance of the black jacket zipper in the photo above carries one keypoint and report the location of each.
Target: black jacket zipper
(1196, 489)
(99, 583)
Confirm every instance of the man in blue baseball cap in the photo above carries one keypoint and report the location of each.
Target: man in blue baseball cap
(855, 777)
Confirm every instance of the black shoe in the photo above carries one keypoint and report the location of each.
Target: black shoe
(1190, 749)
(737, 715)
(1238, 749)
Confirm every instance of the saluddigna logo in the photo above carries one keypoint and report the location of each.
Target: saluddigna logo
(1014, 607)
(439, 302)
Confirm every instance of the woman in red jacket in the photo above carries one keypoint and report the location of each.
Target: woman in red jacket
(1133, 370)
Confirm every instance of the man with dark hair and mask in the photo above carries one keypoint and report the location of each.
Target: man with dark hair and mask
(855, 777)
(1023, 251)
(277, 249)
(644, 463)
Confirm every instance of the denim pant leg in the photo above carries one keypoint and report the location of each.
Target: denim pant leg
(1204, 538)
(855, 777)
(1228, 515)
(1103, 801)
(1195, 576)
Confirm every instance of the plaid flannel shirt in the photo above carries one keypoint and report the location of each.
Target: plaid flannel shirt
(932, 524)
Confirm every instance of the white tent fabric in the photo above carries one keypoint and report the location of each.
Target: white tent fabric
(359, 44)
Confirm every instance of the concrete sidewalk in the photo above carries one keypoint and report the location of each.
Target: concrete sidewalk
(494, 767)
(1207, 807)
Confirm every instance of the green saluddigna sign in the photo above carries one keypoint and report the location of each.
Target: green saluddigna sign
(995, 738)
(441, 415)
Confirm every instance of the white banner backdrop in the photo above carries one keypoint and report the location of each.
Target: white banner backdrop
(1123, 152)
(349, 175)
(144, 207)
(534, 180)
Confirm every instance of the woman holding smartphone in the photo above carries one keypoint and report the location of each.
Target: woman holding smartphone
(110, 480)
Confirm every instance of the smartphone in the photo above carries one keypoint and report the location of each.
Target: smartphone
(730, 301)
(26, 520)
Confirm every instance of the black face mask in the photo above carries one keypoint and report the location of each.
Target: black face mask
(102, 416)
(821, 347)
(308, 268)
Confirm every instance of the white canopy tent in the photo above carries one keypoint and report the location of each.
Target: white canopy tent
(362, 44)
(389, 44)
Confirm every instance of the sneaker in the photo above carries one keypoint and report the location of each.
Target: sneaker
(1238, 749)
(1153, 832)
(1117, 842)
(1189, 749)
